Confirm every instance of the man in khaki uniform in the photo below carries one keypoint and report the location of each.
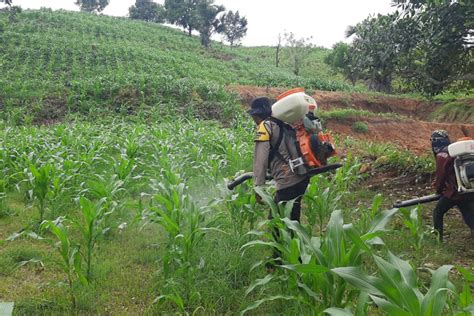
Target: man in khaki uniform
(289, 186)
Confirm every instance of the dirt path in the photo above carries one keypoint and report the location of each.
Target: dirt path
(412, 133)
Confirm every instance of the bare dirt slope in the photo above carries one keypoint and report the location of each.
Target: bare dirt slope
(411, 132)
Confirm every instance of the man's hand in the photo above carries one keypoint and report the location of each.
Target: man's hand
(258, 198)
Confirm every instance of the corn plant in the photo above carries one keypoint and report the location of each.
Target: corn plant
(322, 199)
(413, 221)
(307, 260)
(186, 226)
(41, 182)
(4, 211)
(71, 258)
(395, 289)
(242, 209)
(465, 298)
(92, 228)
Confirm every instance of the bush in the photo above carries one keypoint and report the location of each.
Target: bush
(360, 127)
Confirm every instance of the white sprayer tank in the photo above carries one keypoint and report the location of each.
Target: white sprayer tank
(292, 106)
(461, 148)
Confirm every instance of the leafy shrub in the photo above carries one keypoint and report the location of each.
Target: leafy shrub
(360, 127)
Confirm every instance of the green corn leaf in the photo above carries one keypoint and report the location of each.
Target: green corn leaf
(435, 300)
(388, 307)
(335, 311)
(306, 268)
(381, 220)
(354, 236)
(395, 288)
(406, 271)
(359, 279)
(257, 304)
(259, 282)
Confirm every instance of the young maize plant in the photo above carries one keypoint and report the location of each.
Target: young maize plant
(307, 261)
(40, 181)
(395, 289)
(186, 226)
(412, 220)
(92, 227)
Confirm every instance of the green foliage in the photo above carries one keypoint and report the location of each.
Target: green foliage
(454, 112)
(360, 127)
(208, 20)
(373, 54)
(438, 53)
(182, 13)
(298, 50)
(307, 260)
(92, 228)
(413, 221)
(92, 5)
(147, 10)
(40, 181)
(234, 27)
(340, 59)
(395, 290)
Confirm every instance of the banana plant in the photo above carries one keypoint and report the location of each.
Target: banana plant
(395, 289)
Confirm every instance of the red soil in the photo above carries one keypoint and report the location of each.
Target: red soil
(412, 133)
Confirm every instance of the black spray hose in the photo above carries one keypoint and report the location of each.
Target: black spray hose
(248, 175)
(421, 200)
(242, 178)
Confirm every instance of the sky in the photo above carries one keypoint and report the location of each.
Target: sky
(325, 21)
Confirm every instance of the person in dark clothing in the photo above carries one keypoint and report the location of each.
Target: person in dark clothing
(288, 184)
(446, 185)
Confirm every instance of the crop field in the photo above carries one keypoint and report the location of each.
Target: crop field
(129, 217)
(115, 160)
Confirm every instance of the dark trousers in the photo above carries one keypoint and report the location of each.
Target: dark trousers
(466, 206)
(294, 192)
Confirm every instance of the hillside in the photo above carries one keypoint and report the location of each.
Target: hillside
(58, 61)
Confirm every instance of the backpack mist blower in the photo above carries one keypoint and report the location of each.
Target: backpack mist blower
(309, 147)
(463, 153)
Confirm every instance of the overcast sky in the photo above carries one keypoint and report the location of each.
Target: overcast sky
(324, 20)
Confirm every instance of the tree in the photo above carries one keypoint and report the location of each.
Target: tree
(7, 2)
(183, 13)
(340, 60)
(208, 21)
(298, 50)
(374, 51)
(278, 50)
(234, 27)
(440, 52)
(92, 5)
(147, 10)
